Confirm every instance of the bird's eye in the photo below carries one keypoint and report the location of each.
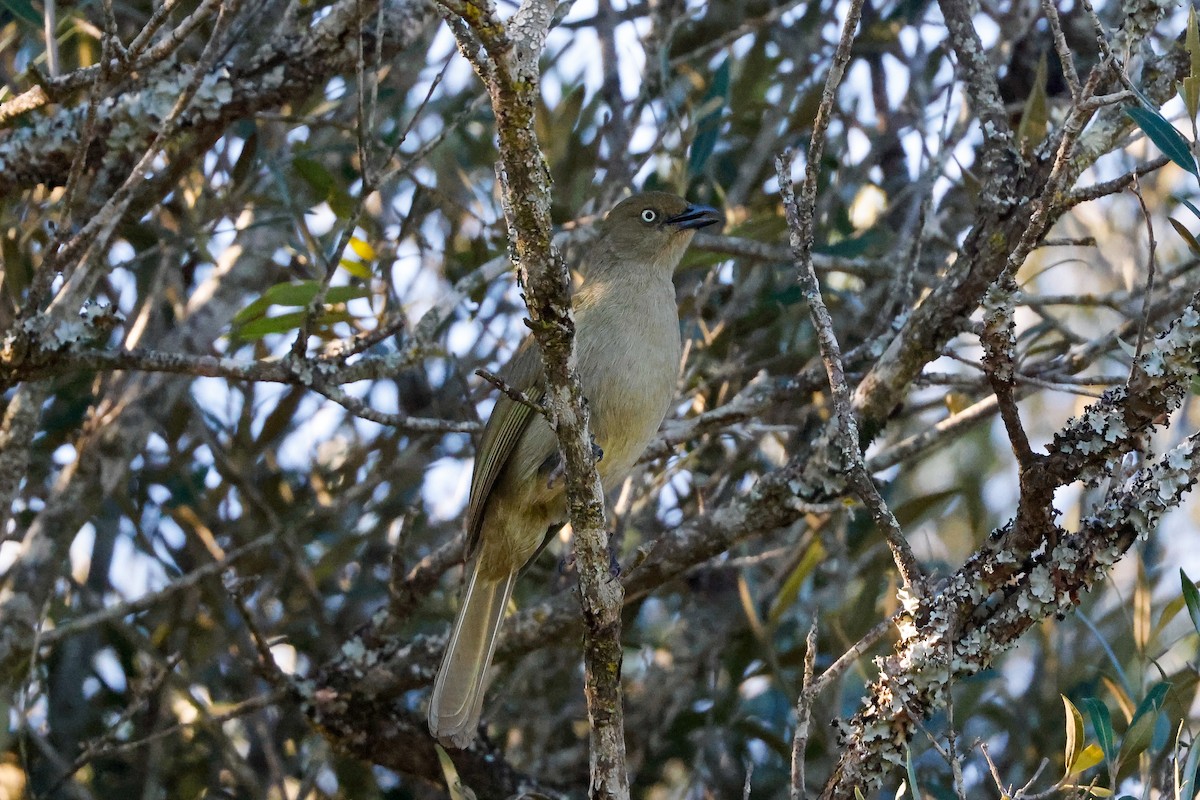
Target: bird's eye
(649, 215)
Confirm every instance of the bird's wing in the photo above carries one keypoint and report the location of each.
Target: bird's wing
(508, 421)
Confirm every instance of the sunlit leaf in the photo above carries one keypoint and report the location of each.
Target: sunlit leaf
(1191, 84)
(1088, 757)
(356, 268)
(1074, 735)
(785, 598)
(1141, 608)
(362, 249)
(1035, 117)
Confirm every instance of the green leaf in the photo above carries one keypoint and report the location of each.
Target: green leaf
(708, 126)
(912, 774)
(1102, 725)
(258, 328)
(1141, 727)
(315, 175)
(242, 168)
(1192, 598)
(785, 598)
(1164, 135)
(1189, 87)
(1190, 205)
(356, 268)
(1185, 779)
(24, 11)
(286, 323)
(1189, 91)
(301, 294)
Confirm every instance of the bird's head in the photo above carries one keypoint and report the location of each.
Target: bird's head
(655, 227)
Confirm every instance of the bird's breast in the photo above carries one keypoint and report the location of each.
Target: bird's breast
(629, 356)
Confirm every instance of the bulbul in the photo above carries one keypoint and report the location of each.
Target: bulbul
(628, 349)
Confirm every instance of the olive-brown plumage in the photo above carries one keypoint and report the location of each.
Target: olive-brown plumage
(628, 349)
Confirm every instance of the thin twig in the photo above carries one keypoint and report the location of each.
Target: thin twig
(804, 701)
(1151, 245)
(511, 393)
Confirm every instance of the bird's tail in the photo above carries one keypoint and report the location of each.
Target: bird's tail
(457, 699)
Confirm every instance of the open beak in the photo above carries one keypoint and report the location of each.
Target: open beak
(694, 217)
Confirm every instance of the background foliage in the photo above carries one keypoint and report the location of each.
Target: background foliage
(250, 267)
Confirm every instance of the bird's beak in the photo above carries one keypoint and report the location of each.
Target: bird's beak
(694, 217)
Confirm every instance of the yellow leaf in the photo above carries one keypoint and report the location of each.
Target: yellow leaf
(1089, 757)
(1074, 745)
(356, 268)
(362, 249)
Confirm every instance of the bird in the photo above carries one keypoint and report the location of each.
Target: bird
(628, 349)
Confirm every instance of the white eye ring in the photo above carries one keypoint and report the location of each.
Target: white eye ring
(649, 215)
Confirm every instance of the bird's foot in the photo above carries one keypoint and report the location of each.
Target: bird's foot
(553, 468)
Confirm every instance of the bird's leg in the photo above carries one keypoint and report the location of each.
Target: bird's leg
(553, 468)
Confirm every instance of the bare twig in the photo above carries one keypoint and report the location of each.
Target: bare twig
(515, 395)
(804, 703)
(505, 55)
(847, 435)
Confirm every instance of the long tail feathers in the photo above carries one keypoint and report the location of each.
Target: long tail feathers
(457, 699)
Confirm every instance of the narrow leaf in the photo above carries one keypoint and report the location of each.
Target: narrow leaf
(1193, 43)
(1074, 726)
(1164, 136)
(299, 293)
(314, 174)
(785, 598)
(1102, 725)
(912, 774)
(1089, 757)
(356, 268)
(362, 249)
(1141, 729)
(1035, 117)
(1186, 235)
(708, 125)
(1192, 597)
(1185, 779)
(286, 323)
(1191, 206)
